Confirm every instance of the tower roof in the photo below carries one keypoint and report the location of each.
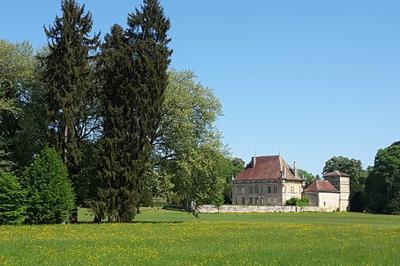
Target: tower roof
(336, 173)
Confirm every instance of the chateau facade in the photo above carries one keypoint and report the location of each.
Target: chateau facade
(270, 181)
(267, 180)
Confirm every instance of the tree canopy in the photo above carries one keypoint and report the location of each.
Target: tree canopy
(188, 148)
(383, 182)
(308, 177)
(133, 69)
(16, 78)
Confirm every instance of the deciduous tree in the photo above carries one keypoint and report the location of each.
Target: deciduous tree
(383, 182)
(308, 177)
(188, 146)
(16, 78)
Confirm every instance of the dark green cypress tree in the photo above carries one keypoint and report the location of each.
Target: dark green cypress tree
(147, 36)
(115, 163)
(133, 68)
(68, 81)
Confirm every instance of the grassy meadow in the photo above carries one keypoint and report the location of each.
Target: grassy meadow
(175, 238)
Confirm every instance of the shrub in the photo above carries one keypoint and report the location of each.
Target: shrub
(303, 202)
(12, 209)
(50, 197)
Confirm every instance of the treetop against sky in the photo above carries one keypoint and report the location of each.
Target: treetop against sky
(311, 79)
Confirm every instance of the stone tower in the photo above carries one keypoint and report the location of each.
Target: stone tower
(341, 182)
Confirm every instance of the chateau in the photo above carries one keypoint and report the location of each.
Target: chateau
(270, 181)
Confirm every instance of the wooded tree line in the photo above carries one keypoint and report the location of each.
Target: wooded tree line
(105, 124)
(375, 189)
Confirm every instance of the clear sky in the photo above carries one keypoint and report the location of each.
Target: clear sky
(312, 79)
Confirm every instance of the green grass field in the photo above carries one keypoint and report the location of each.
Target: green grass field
(175, 238)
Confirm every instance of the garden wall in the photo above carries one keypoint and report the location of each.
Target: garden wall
(260, 209)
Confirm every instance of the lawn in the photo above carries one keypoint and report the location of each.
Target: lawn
(175, 238)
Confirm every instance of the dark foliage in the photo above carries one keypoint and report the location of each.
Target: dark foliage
(383, 182)
(70, 88)
(133, 68)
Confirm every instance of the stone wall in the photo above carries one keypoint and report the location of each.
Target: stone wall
(258, 209)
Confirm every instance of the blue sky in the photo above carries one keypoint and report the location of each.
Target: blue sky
(312, 79)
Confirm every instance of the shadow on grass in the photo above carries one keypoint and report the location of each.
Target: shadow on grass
(157, 222)
(136, 222)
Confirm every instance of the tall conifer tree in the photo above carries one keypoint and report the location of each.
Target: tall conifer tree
(133, 67)
(68, 80)
(117, 194)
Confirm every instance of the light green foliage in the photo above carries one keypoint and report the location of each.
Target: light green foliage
(50, 197)
(175, 238)
(16, 67)
(303, 202)
(188, 146)
(16, 78)
(383, 182)
(308, 177)
(12, 207)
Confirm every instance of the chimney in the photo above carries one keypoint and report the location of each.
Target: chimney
(295, 169)
(254, 162)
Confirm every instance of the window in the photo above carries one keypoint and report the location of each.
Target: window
(261, 190)
(236, 201)
(243, 201)
(243, 190)
(256, 190)
(250, 201)
(251, 190)
(275, 189)
(256, 200)
(269, 189)
(261, 201)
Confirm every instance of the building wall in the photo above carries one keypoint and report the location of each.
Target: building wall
(313, 198)
(291, 189)
(342, 184)
(265, 192)
(328, 201)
